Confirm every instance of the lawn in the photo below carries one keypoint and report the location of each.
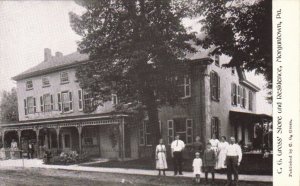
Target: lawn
(250, 165)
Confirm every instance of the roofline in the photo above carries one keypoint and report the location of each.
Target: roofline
(48, 70)
(250, 85)
(207, 60)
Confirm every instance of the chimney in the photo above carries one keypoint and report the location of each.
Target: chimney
(47, 54)
(58, 54)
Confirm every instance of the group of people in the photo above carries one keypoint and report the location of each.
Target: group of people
(14, 148)
(218, 155)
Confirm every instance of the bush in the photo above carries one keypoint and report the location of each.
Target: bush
(67, 158)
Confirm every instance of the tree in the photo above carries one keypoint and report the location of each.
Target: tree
(9, 106)
(242, 30)
(136, 49)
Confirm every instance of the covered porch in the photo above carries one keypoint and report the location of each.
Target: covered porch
(101, 136)
(252, 131)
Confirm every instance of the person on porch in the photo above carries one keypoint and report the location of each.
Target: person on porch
(177, 147)
(233, 160)
(13, 148)
(30, 150)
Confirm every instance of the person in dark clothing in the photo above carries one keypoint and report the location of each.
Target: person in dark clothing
(198, 146)
(209, 162)
(30, 150)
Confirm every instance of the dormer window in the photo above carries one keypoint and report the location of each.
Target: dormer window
(217, 60)
(45, 82)
(29, 85)
(64, 77)
(114, 99)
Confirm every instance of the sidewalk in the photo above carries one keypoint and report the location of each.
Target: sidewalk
(37, 163)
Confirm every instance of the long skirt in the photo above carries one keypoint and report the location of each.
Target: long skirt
(161, 162)
(221, 160)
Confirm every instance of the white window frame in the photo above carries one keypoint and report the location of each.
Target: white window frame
(27, 82)
(29, 107)
(170, 129)
(186, 86)
(61, 104)
(43, 103)
(45, 79)
(62, 81)
(114, 99)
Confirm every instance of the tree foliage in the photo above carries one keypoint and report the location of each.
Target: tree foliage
(136, 49)
(242, 30)
(9, 106)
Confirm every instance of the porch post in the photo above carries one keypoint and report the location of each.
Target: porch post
(57, 137)
(37, 132)
(3, 137)
(19, 137)
(79, 128)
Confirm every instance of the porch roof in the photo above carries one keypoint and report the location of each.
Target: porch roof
(63, 120)
(251, 117)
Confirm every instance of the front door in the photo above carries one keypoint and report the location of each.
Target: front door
(66, 141)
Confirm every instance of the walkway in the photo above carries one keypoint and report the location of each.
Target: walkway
(37, 163)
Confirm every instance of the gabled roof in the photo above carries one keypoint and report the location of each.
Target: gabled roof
(52, 65)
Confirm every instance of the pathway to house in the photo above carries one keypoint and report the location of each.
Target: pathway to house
(37, 163)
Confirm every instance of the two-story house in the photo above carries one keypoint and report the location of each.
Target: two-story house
(215, 100)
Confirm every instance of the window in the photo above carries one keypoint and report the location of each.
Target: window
(142, 135)
(170, 131)
(185, 86)
(65, 101)
(217, 60)
(244, 98)
(148, 135)
(232, 71)
(30, 105)
(233, 94)
(250, 100)
(87, 100)
(184, 127)
(114, 99)
(29, 85)
(239, 94)
(215, 127)
(215, 86)
(64, 77)
(80, 102)
(45, 82)
(46, 103)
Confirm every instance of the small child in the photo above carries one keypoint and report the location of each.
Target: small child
(209, 162)
(197, 164)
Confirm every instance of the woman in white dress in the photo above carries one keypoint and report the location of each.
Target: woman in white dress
(160, 155)
(214, 143)
(222, 153)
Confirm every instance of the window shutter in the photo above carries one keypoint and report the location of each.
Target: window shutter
(71, 103)
(80, 106)
(25, 106)
(211, 85)
(34, 105)
(52, 102)
(59, 101)
(219, 128)
(212, 127)
(219, 84)
(42, 104)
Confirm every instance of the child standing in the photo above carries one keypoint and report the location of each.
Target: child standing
(197, 164)
(209, 162)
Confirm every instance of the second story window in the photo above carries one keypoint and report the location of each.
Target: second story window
(64, 77)
(29, 85)
(45, 82)
(215, 127)
(244, 98)
(217, 60)
(250, 100)
(239, 95)
(65, 103)
(47, 103)
(30, 105)
(233, 94)
(214, 86)
(185, 86)
(114, 99)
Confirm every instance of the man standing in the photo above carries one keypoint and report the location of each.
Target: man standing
(176, 152)
(233, 160)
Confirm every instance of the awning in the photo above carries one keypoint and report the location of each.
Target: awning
(249, 117)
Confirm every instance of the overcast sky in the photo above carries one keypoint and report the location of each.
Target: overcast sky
(27, 27)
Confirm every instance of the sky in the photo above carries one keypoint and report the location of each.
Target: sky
(27, 27)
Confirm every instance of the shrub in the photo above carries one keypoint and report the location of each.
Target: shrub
(67, 158)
